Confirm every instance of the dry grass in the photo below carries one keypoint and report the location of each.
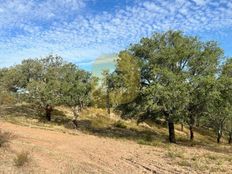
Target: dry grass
(174, 154)
(4, 138)
(202, 156)
(119, 124)
(21, 159)
(98, 122)
(184, 163)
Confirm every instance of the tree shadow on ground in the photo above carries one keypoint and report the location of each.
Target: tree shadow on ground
(57, 117)
(31, 112)
(112, 131)
(145, 137)
(210, 146)
(206, 133)
(19, 110)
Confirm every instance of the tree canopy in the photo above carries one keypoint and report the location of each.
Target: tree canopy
(178, 75)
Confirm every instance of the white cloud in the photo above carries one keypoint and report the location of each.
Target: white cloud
(34, 28)
(200, 2)
(26, 12)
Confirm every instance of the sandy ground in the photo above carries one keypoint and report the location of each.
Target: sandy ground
(57, 152)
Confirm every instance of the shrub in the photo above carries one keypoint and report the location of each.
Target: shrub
(142, 142)
(184, 163)
(21, 159)
(119, 124)
(174, 154)
(211, 156)
(194, 158)
(148, 137)
(6, 98)
(4, 138)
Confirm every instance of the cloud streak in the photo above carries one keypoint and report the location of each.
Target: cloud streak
(69, 28)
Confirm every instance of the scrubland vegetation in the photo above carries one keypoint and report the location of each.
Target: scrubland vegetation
(170, 92)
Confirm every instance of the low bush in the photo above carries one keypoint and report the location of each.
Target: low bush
(4, 138)
(119, 124)
(21, 159)
(174, 154)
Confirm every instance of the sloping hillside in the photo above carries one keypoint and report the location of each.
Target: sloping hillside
(103, 145)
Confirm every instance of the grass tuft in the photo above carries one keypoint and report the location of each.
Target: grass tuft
(184, 163)
(211, 156)
(174, 154)
(4, 138)
(21, 159)
(119, 124)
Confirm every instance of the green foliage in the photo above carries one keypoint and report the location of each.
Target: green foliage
(118, 89)
(44, 86)
(6, 97)
(11, 78)
(126, 78)
(49, 80)
(178, 77)
(98, 97)
(119, 124)
(219, 110)
(75, 87)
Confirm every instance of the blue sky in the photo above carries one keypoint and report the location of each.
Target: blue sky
(81, 31)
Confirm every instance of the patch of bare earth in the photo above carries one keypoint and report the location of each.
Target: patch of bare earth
(56, 152)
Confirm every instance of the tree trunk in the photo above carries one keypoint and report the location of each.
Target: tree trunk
(230, 138)
(81, 106)
(171, 129)
(48, 110)
(108, 101)
(219, 136)
(76, 110)
(191, 133)
(191, 124)
(182, 127)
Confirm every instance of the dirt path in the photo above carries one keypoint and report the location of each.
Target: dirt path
(56, 152)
